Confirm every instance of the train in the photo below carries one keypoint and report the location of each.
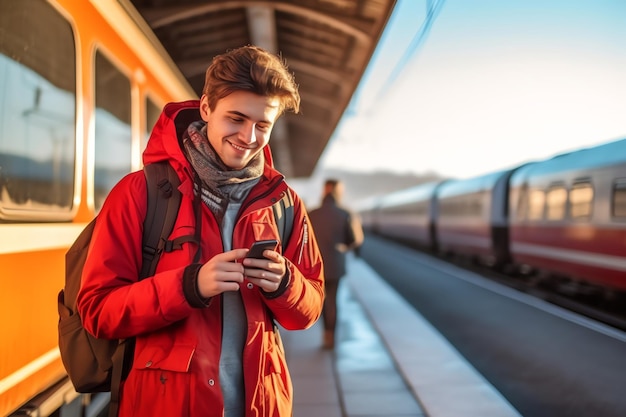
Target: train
(560, 221)
(81, 85)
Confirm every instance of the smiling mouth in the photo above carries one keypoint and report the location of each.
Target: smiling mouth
(239, 147)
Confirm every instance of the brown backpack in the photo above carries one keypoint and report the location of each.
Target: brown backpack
(99, 365)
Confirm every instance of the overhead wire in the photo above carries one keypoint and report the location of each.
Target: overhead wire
(433, 9)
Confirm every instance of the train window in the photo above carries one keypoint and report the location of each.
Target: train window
(619, 198)
(556, 202)
(536, 202)
(580, 198)
(475, 203)
(113, 129)
(37, 112)
(152, 115)
(521, 194)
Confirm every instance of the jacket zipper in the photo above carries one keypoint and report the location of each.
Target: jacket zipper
(305, 239)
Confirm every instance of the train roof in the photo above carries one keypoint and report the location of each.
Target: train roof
(421, 192)
(483, 182)
(608, 154)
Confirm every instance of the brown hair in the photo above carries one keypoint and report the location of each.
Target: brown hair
(332, 187)
(252, 69)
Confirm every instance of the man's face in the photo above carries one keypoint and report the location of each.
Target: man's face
(240, 125)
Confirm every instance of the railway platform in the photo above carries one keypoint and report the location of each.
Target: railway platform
(388, 361)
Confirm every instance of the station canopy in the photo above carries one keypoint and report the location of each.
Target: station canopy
(326, 43)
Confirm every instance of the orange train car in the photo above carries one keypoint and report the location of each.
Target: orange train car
(81, 84)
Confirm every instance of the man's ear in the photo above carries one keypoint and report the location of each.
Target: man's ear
(205, 110)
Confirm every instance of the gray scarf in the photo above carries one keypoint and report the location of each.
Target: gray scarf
(218, 183)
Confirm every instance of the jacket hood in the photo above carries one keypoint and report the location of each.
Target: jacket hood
(165, 141)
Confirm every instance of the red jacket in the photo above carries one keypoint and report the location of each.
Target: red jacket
(176, 364)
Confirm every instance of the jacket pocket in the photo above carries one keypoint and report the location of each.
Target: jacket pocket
(159, 383)
(176, 359)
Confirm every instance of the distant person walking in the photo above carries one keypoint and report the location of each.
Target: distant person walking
(338, 231)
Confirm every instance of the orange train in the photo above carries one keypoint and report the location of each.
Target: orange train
(81, 83)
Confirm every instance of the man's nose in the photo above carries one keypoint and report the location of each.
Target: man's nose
(248, 133)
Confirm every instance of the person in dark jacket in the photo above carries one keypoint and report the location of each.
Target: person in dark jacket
(338, 231)
(206, 343)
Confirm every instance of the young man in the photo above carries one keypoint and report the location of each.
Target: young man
(204, 323)
(338, 231)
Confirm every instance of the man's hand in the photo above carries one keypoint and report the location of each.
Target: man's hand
(221, 273)
(266, 273)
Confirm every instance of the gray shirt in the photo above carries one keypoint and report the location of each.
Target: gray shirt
(234, 322)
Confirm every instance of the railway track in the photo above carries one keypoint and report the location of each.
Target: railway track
(589, 303)
(545, 359)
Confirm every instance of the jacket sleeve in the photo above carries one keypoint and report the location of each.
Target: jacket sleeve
(300, 305)
(112, 302)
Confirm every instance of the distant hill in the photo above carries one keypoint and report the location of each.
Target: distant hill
(361, 185)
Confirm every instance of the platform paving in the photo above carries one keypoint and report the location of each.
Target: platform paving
(357, 378)
(388, 362)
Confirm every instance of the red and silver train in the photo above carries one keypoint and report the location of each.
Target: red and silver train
(563, 218)
(81, 84)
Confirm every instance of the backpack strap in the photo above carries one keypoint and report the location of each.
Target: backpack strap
(283, 213)
(163, 203)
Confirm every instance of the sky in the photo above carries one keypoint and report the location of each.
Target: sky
(488, 85)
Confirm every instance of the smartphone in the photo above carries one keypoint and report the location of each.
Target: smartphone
(258, 247)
